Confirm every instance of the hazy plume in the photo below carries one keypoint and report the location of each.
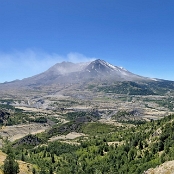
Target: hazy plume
(21, 64)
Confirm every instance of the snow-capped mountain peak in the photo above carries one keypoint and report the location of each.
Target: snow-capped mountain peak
(68, 72)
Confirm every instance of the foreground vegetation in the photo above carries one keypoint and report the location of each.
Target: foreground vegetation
(108, 149)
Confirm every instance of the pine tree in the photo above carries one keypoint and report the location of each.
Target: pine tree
(34, 171)
(22, 157)
(52, 158)
(10, 165)
(51, 170)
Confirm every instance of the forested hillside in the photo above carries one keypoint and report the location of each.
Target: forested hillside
(104, 149)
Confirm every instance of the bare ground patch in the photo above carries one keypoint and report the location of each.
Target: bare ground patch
(112, 122)
(18, 131)
(165, 168)
(115, 143)
(31, 109)
(70, 136)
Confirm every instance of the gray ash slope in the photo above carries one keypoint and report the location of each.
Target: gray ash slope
(105, 71)
(67, 72)
(97, 71)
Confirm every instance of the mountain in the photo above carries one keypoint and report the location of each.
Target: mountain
(104, 70)
(70, 73)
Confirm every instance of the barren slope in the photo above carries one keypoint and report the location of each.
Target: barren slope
(165, 168)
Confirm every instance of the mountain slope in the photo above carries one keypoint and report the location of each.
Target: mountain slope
(106, 71)
(67, 72)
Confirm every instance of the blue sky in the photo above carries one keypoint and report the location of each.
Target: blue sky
(137, 35)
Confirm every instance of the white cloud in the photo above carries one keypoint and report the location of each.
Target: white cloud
(22, 64)
(77, 57)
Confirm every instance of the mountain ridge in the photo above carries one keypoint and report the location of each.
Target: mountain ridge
(68, 72)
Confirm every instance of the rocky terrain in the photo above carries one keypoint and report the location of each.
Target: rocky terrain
(165, 168)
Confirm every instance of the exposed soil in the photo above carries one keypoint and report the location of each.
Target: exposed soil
(112, 122)
(32, 109)
(165, 168)
(69, 136)
(18, 131)
(115, 143)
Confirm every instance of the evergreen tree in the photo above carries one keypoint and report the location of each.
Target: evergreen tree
(10, 165)
(34, 171)
(22, 157)
(52, 158)
(51, 170)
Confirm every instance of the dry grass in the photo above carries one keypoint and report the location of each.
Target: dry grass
(25, 168)
(70, 136)
(115, 143)
(165, 168)
(33, 109)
